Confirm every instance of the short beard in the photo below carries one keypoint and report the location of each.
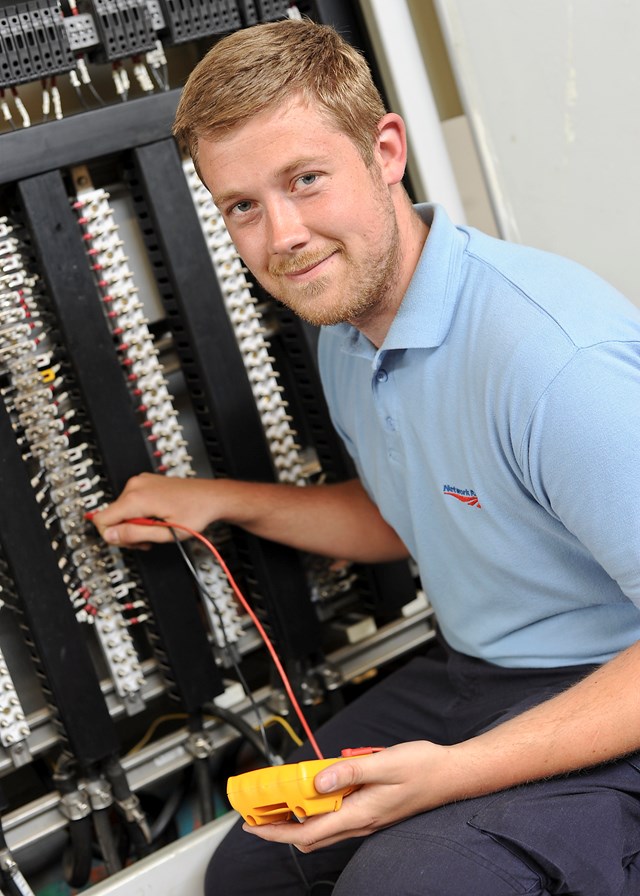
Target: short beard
(375, 297)
(370, 296)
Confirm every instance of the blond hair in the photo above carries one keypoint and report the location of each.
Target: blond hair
(260, 68)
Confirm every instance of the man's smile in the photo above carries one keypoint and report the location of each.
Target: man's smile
(298, 267)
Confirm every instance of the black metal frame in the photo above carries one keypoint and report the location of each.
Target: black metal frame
(220, 389)
(86, 136)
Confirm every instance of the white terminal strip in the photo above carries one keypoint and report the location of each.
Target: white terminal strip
(142, 366)
(250, 334)
(14, 728)
(66, 482)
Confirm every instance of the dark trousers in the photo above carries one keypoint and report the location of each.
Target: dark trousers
(578, 834)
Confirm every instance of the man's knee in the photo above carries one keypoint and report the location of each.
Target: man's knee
(575, 834)
(414, 858)
(219, 875)
(244, 865)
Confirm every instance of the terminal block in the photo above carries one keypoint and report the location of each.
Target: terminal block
(255, 11)
(190, 19)
(14, 728)
(272, 10)
(125, 28)
(81, 32)
(248, 12)
(33, 42)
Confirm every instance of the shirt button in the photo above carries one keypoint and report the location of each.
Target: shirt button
(391, 424)
(382, 376)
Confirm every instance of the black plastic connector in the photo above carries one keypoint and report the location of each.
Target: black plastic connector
(254, 12)
(190, 19)
(272, 10)
(248, 12)
(81, 31)
(33, 43)
(125, 28)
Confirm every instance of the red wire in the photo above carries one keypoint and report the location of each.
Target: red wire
(167, 524)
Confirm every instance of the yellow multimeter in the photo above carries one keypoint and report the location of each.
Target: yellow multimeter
(275, 794)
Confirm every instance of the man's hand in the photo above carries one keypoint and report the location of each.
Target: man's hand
(594, 721)
(391, 785)
(336, 520)
(185, 501)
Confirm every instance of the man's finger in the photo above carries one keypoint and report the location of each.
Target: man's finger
(351, 773)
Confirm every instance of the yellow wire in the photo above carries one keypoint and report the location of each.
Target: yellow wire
(176, 716)
(287, 727)
(151, 730)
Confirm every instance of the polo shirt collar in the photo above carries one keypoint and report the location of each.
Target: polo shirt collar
(425, 315)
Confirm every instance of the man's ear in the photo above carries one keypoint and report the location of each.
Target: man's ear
(391, 147)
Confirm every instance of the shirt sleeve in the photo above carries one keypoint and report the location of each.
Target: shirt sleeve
(581, 454)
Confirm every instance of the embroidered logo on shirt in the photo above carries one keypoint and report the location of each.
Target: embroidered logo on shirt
(466, 495)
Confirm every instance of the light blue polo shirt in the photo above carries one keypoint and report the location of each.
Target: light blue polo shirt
(498, 431)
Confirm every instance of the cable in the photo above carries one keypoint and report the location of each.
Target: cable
(168, 524)
(237, 722)
(106, 841)
(203, 789)
(231, 719)
(309, 887)
(216, 710)
(279, 720)
(226, 715)
(76, 859)
(209, 597)
(170, 808)
(151, 730)
(129, 806)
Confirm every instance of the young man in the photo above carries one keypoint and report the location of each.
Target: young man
(490, 397)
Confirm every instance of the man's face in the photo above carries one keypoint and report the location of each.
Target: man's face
(314, 225)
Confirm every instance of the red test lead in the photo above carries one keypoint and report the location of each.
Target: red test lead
(168, 524)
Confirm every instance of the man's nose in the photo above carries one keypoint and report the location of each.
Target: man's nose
(287, 231)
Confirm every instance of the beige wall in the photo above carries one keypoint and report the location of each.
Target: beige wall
(455, 127)
(436, 58)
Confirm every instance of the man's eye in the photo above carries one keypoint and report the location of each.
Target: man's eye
(242, 207)
(307, 179)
